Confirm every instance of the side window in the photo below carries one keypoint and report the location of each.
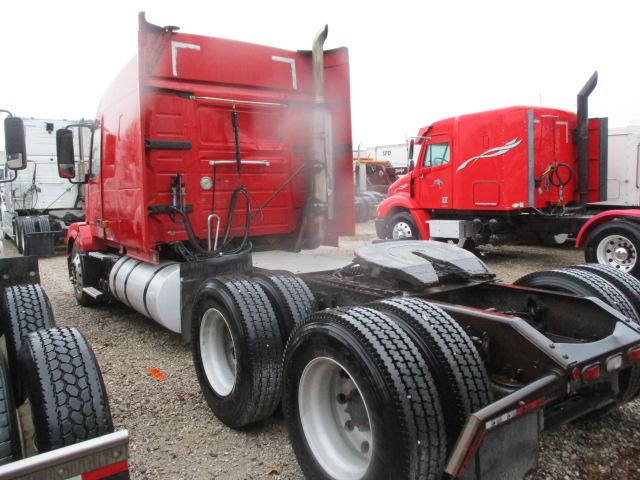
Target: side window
(437, 154)
(95, 149)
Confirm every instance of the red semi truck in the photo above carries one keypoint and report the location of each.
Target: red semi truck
(514, 175)
(212, 161)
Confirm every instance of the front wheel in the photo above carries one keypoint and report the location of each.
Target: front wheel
(76, 275)
(616, 244)
(403, 227)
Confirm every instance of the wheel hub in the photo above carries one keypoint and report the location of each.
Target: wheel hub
(617, 251)
(335, 419)
(217, 352)
(402, 230)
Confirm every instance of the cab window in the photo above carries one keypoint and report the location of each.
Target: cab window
(95, 148)
(436, 154)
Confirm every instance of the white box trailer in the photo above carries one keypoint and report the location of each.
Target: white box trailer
(38, 205)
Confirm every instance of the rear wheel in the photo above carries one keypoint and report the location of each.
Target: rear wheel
(625, 282)
(237, 350)
(403, 227)
(18, 232)
(26, 309)
(585, 283)
(290, 298)
(359, 400)
(9, 434)
(459, 373)
(65, 389)
(615, 243)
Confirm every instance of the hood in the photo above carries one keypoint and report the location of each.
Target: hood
(400, 185)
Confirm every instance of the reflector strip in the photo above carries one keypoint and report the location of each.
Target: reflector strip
(505, 417)
(106, 471)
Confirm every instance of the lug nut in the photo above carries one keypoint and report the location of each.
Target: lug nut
(342, 398)
(348, 425)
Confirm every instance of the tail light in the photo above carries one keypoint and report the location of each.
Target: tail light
(591, 373)
(634, 354)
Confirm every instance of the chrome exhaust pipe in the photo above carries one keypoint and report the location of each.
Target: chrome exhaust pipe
(317, 56)
(322, 207)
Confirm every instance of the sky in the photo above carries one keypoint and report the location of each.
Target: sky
(412, 63)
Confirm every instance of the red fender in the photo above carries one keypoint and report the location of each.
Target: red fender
(600, 218)
(85, 236)
(402, 201)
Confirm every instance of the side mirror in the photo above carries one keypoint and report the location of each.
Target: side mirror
(15, 145)
(65, 154)
(412, 165)
(411, 145)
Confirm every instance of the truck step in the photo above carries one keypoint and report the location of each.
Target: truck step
(99, 255)
(93, 292)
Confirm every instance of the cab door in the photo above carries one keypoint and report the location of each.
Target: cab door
(433, 181)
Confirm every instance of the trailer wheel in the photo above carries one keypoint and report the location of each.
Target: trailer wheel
(460, 374)
(64, 387)
(615, 243)
(76, 275)
(403, 227)
(9, 434)
(290, 298)
(580, 282)
(26, 309)
(237, 350)
(625, 282)
(359, 400)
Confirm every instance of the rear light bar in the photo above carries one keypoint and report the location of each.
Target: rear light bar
(634, 354)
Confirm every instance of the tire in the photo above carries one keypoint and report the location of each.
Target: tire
(459, 373)
(595, 251)
(392, 404)
(76, 275)
(403, 224)
(26, 309)
(583, 283)
(18, 238)
(64, 386)
(290, 297)
(28, 226)
(626, 283)
(10, 449)
(237, 350)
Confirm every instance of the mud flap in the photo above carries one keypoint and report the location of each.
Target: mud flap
(508, 452)
(18, 270)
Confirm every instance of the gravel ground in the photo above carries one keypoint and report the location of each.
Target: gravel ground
(174, 435)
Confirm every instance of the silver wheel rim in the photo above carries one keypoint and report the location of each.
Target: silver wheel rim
(401, 230)
(218, 352)
(335, 419)
(617, 251)
(76, 267)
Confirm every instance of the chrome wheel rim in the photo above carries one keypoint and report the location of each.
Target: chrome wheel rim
(617, 251)
(218, 352)
(335, 419)
(401, 230)
(76, 272)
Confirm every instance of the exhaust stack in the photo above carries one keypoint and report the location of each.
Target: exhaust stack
(583, 137)
(322, 207)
